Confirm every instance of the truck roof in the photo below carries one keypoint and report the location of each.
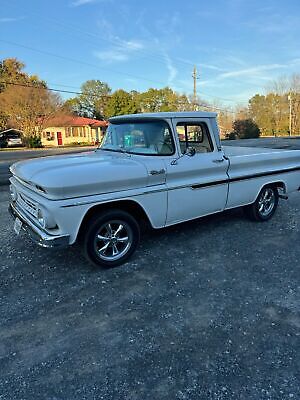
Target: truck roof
(165, 115)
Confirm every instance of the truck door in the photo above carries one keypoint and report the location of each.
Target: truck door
(198, 184)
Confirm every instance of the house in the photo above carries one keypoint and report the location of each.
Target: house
(70, 129)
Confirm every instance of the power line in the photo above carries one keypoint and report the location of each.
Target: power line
(47, 88)
(106, 96)
(80, 62)
(119, 42)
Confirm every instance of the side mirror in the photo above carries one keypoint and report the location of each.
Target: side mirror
(190, 151)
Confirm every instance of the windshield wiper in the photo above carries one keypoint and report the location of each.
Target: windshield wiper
(118, 150)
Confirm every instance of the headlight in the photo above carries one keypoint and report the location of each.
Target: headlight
(45, 219)
(41, 218)
(13, 193)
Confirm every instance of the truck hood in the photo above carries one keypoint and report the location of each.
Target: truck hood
(68, 176)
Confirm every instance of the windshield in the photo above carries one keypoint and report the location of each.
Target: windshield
(145, 138)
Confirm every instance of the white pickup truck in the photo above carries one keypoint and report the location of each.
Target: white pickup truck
(162, 168)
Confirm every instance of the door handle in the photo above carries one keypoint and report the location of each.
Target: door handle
(218, 160)
(155, 172)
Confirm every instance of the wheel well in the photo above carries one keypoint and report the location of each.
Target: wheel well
(129, 206)
(278, 185)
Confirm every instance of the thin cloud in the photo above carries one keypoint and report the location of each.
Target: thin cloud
(210, 66)
(250, 71)
(171, 69)
(110, 56)
(78, 3)
(121, 52)
(132, 45)
(10, 19)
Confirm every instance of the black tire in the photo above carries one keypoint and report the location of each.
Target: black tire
(101, 243)
(264, 206)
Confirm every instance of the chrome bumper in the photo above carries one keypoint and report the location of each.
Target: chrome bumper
(36, 234)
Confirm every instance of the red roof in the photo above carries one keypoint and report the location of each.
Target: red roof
(73, 120)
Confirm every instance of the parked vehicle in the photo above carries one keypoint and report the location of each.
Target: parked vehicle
(10, 138)
(162, 168)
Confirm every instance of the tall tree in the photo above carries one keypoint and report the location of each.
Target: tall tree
(270, 112)
(225, 120)
(245, 129)
(11, 72)
(121, 102)
(29, 109)
(159, 100)
(93, 100)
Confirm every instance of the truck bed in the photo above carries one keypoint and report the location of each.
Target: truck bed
(251, 161)
(240, 151)
(251, 168)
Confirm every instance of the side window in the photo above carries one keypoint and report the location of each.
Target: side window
(194, 135)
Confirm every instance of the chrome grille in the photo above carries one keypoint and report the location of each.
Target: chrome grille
(27, 204)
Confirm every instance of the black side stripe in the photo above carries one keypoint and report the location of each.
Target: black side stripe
(243, 178)
(215, 183)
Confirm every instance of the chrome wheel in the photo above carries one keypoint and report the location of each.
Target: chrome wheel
(113, 240)
(266, 202)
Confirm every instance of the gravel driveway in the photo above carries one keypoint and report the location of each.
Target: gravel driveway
(205, 310)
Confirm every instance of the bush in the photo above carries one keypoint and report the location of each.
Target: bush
(231, 136)
(33, 141)
(244, 129)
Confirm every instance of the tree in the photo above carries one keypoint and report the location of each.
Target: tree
(225, 120)
(159, 100)
(11, 73)
(93, 100)
(244, 129)
(29, 109)
(294, 92)
(24, 100)
(272, 111)
(121, 102)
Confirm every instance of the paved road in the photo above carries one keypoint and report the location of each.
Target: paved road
(7, 158)
(275, 143)
(207, 310)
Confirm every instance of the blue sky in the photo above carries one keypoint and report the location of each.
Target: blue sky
(238, 46)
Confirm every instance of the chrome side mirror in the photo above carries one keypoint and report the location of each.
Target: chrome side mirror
(190, 151)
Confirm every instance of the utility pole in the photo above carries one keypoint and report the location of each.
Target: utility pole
(195, 77)
(291, 109)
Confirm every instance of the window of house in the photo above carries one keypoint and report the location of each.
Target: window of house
(68, 131)
(48, 135)
(194, 135)
(75, 131)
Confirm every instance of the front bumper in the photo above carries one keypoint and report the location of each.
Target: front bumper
(36, 234)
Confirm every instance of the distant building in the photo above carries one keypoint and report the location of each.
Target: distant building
(70, 129)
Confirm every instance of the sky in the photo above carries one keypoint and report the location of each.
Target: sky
(239, 47)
